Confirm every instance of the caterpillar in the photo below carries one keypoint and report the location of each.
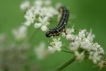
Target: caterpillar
(62, 23)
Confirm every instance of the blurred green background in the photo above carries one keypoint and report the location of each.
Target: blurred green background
(89, 14)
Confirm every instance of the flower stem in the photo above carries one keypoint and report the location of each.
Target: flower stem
(64, 65)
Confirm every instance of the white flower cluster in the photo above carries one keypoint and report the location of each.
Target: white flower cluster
(39, 14)
(55, 45)
(25, 5)
(20, 33)
(41, 52)
(82, 45)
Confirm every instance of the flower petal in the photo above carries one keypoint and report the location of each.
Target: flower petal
(44, 28)
(37, 25)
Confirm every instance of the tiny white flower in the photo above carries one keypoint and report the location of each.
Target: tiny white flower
(44, 28)
(25, 5)
(95, 46)
(101, 51)
(55, 45)
(86, 45)
(38, 2)
(95, 57)
(43, 22)
(69, 31)
(68, 34)
(101, 64)
(77, 38)
(79, 56)
(48, 11)
(53, 11)
(58, 45)
(27, 23)
(47, 2)
(43, 11)
(30, 16)
(70, 37)
(82, 33)
(41, 51)
(37, 25)
(74, 46)
(20, 33)
(90, 36)
(51, 49)
(54, 41)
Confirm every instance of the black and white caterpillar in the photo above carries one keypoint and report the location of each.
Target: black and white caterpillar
(61, 25)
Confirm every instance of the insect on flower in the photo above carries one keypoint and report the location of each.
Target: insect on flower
(62, 23)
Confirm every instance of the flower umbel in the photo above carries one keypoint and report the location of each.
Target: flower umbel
(82, 45)
(39, 14)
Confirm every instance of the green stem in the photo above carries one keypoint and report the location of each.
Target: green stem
(65, 48)
(64, 65)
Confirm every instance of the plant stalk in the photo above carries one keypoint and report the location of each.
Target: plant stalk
(61, 67)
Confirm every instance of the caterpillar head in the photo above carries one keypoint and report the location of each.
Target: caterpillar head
(50, 33)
